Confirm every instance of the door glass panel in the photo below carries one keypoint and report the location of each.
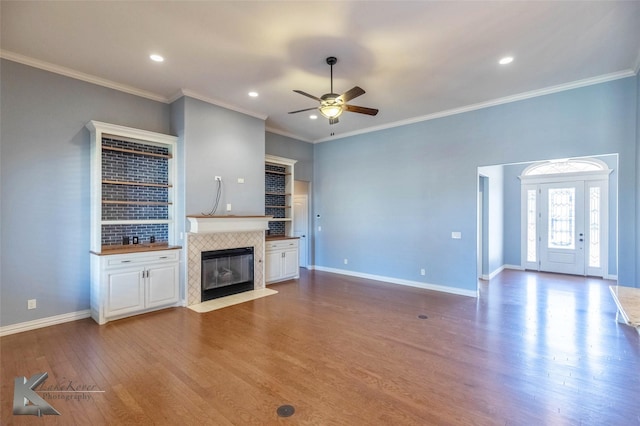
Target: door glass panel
(562, 215)
(531, 226)
(594, 227)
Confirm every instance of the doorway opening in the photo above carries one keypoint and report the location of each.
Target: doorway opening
(502, 208)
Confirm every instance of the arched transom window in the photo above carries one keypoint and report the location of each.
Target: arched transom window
(571, 165)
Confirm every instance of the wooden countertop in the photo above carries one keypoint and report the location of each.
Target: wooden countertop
(280, 237)
(229, 216)
(133, 248)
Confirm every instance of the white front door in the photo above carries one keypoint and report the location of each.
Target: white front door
(562, 230)
(564, 227)
(301, 226)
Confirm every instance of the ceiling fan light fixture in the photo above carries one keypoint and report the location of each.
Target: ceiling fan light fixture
(331, 105)
(331, 111)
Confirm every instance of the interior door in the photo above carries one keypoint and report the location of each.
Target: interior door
(301, 226)
(562, 230)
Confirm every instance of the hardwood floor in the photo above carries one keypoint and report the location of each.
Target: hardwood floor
(537, 349)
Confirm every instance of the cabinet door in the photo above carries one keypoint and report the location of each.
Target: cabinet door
(125, 292)
(290, 262)
(273, 265)
(161, 285)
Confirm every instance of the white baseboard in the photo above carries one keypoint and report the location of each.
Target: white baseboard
(492, 274)
(611, 277)
(391, 280)
(500, 269)
(515, 267)
(44, 322)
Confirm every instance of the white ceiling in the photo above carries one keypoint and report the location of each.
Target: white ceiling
(415, 59)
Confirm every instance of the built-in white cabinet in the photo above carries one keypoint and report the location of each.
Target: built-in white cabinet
(132, 283)
(281, 260)
(134, 262)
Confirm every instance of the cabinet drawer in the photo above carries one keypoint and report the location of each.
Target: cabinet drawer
(146, 258)
(281, 244)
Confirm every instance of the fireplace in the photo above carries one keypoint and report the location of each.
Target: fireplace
(209, 233)
(226, 272)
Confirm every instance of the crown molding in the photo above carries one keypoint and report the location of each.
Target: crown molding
(36, 63)
(68, 72)
(288, 135)
(195, 95)
(495, 102)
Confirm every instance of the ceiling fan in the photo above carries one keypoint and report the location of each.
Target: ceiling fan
(333, 105)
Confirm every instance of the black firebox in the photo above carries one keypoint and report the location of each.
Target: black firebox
(226, 272)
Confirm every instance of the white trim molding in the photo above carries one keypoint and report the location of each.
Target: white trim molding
(217, 224)
(44, 322)
(68, 72)
(514, 267)
(495, 102)
(399, 281)
(212, 101)
(493, 274)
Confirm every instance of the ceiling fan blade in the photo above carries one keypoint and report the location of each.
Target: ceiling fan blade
(352, 94)
(361, 110)
(333, 120)
(302, 110)
(308, 95)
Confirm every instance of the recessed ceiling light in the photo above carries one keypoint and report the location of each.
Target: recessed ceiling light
(506, 60)
(156, 58)
(313, 116)
(253, 94)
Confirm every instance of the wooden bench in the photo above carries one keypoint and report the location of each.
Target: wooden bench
(628, 301)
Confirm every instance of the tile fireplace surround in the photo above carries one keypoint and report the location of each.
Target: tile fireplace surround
(219, 233)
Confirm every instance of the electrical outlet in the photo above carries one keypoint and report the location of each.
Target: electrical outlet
(228, 207)
(346, 261)
(31, 304)
(423, 272)
(240, 180)
(219, 178)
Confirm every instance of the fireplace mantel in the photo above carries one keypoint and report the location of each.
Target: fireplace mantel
(214, 224)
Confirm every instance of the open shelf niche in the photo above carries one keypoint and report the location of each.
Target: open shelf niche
(132, 186)
(279, 177)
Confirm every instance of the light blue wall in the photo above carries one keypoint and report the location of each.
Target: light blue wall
(283, 146)
(495, 219)
(220, 142)
(637, 253)
(389, 200)
(44, 170)
(512, 214)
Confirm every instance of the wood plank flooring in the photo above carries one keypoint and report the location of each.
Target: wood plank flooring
(537, 349)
